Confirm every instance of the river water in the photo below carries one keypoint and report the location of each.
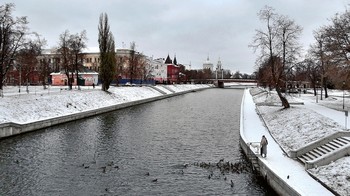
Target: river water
(167, 147)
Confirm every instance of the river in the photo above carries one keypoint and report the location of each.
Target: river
(167, 147)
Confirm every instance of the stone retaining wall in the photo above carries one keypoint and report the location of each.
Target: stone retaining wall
(278, 185)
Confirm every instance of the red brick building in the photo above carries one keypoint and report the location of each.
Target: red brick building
(172, 70)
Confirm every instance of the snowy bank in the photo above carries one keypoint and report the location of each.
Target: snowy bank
(41, 108)
(285, 175)
(305, 123)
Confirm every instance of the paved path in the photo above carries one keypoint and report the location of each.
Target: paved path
(335, 115)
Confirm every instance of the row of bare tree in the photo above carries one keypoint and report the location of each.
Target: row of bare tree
(18, 46)
(23, 49)
(325, 65)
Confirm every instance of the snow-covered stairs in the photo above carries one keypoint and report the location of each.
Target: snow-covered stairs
(324, 151)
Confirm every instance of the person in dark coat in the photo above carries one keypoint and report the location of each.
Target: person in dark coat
(263, 146)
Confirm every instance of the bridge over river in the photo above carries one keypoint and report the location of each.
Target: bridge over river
(235, 83)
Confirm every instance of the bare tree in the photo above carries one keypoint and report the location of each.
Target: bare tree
(309, 68)
(66, 57)
(133, 63)
(319, 55)
(77, 44)
(146, 70)
(335, 42)
(70, 52)
(12, 32)
(27, 59)
(107, 52)
(278, 45)
(137, 66)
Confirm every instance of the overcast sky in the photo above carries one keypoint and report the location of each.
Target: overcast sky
(191, 29)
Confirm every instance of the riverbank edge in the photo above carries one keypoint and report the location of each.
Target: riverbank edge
(13, 129)
(279, 185)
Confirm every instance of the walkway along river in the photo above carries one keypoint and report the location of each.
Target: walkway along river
(168, 147)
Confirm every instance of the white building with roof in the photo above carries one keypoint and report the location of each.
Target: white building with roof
(207, 64)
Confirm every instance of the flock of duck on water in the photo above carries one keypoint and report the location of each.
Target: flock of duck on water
(224, 167)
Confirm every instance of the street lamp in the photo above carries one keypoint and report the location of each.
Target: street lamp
(343, 95)
(19, 71)
(20, 78)
(316, 91)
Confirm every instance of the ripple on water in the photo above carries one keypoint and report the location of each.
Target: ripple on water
(149, 149)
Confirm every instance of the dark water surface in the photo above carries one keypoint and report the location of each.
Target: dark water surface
(151, 149)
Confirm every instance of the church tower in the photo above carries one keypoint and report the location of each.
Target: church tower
(219, 65)
(175, 61)
(207, 64)
(168, 60)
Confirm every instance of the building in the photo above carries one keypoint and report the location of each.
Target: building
(91, 59)
(219, 65)
(219, 71)
(207, 64)
(158, 69)
(87, 77)
(173, 70)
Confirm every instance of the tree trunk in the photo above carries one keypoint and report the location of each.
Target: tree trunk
(315, 93)
(325, 88)
(284, 101)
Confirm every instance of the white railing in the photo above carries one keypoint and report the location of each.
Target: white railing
(254, 146)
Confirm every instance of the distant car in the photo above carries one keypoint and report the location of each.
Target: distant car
(293, 90)
(128, 84)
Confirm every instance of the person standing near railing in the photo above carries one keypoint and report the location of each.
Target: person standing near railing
(263, 146)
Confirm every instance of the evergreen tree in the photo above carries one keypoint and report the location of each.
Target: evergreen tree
(107, 52)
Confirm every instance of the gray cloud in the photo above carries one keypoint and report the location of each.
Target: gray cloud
(191, 29)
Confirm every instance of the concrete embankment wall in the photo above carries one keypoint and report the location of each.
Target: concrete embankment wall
(11, 129)
(279, 185)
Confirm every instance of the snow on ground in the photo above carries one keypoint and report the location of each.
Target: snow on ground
(295, 127)
(301, 124)
(41, 104)
(288, 170)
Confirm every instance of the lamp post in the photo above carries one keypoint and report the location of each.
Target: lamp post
(19, 69)
(20, 78)
(343, 95)
(316, 91)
